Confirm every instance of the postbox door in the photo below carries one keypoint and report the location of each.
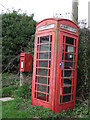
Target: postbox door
(22, 62)
(67, 71)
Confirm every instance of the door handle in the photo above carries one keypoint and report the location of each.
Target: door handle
(60, 64)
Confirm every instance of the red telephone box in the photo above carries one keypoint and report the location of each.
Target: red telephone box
(55, 64)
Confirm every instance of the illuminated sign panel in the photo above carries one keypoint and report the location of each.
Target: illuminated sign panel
(68, 28)
(46, 27)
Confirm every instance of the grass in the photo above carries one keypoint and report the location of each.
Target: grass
(21, 106)
(0, 110)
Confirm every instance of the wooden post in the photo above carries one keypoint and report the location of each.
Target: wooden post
(22, 78)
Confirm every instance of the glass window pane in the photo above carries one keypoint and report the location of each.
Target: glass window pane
(42, 72)
(44, 47)
(66, 90)
(42, 88)
(44, 55)
(38, 40)
(44, 39)
(38, 47)
(43, 64)
(69, 49)
(68, 56)
(42, 80)
(67, 82)
(41, 96)
(66, 98)
(70, 40)
(51, 38)
(68, 73)
(68, 64)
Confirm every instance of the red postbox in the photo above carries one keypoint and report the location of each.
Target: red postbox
(55, 64)
(26, 61)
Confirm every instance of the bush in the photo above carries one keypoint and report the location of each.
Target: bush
(9, 79)
(8, 91)
(23, 92)
(83, 65)
(17, 32)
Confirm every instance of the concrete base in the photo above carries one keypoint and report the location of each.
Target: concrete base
(6, 99)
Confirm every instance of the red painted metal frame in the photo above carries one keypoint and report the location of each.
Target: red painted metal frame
(64, 106)
(37, 101)
(55, 77)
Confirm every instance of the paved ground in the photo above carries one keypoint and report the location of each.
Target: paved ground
(6, 99)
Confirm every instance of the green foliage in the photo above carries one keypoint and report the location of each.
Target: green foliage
(17, 33)
(8, 91)
(16, 91)
(22, 91)
(11, 86)
(9, 79)
(80, 111)
(83, 80)
(22, 108)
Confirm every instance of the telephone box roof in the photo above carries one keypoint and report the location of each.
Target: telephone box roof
(56, 19)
